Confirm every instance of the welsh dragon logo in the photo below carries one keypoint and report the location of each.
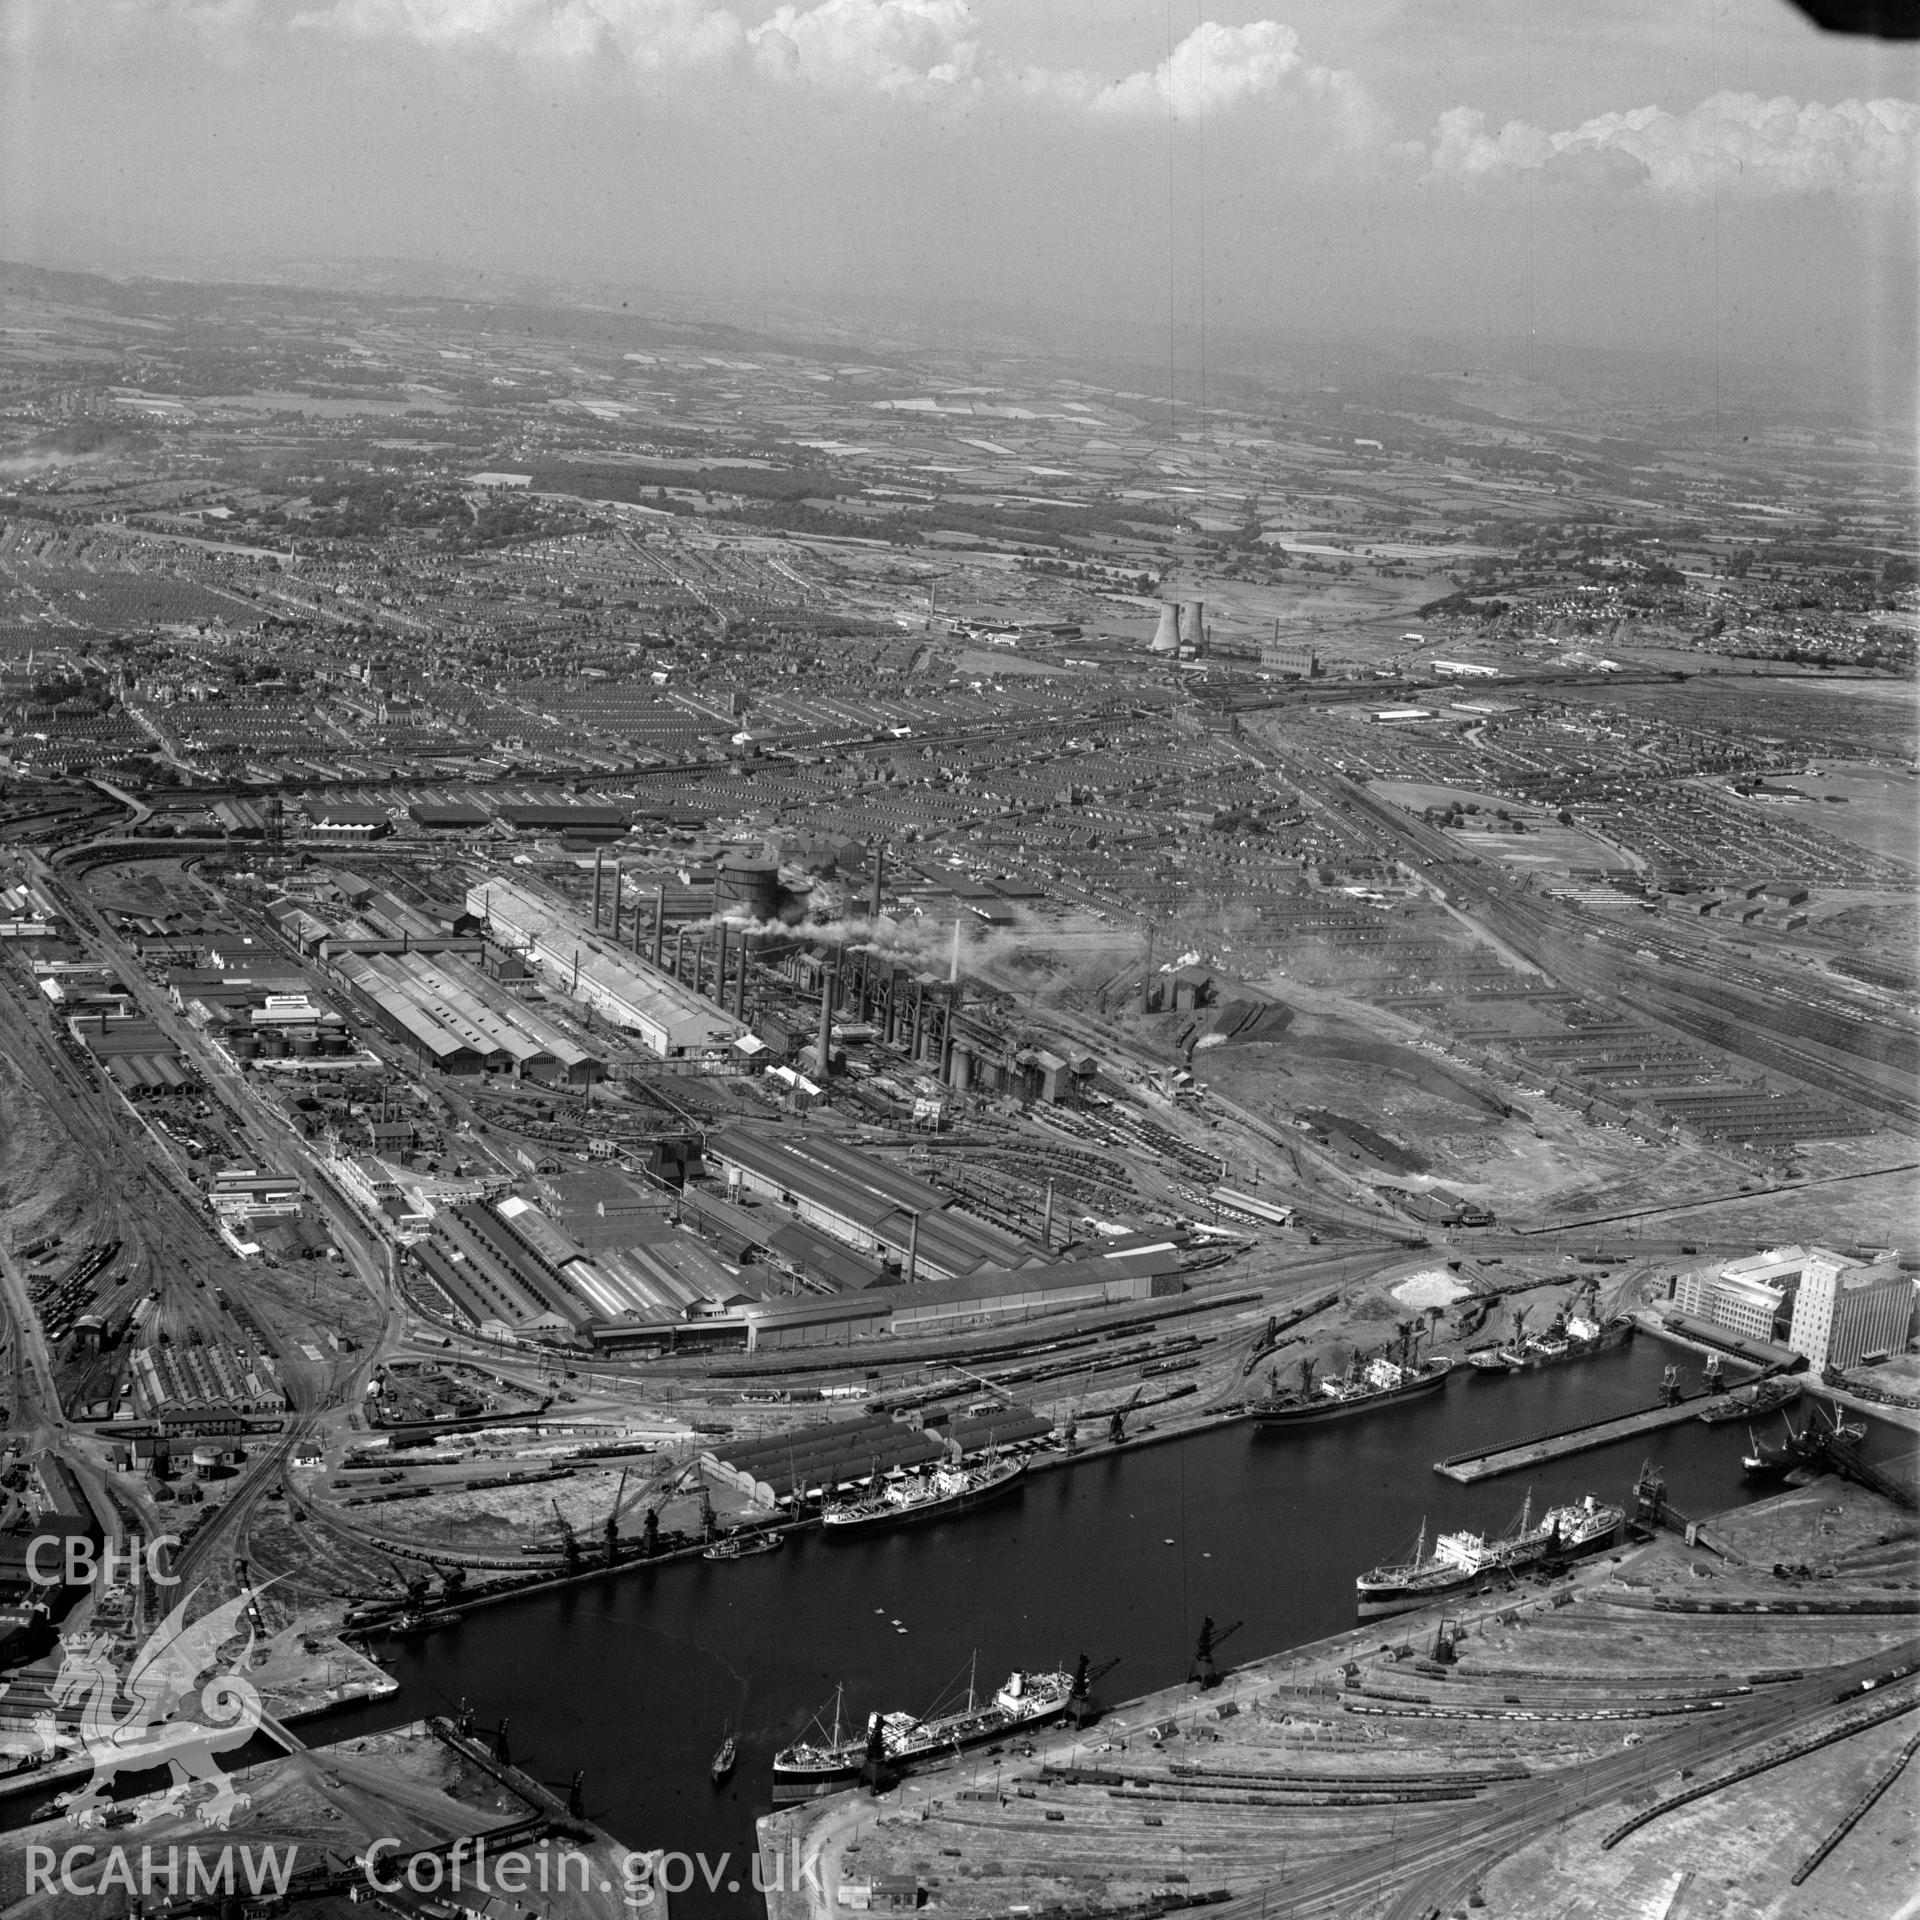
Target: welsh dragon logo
(159, 1726)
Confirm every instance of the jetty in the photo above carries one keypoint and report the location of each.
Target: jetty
(1488, 1463)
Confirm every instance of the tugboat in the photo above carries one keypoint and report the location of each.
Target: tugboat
(1363, 1387)
(894, 1742)
(929, 1496)
(726, 1755)
(1466, 1562)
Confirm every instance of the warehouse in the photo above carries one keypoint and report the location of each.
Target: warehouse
(462, 1019)
(355, 825)
(597, 823)
(999, 1294)
(994, 1294)
(863, 1202)
(450, 817)
(435, 1041)
(668, 1018)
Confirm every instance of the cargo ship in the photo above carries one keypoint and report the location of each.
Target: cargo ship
(735, 1546)
(1775, 1459)
(1466, 1562)
(1575, 1340)
(895, 1742)
(1756, 1398)
(1379, 1383)
(924, 1496)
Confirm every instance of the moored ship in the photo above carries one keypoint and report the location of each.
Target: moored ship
(1575, 1340)
(1379, 1382)
(928, 1496)
(1749, 1402)
(734, 1546)
(1466, 1562)
(1775, 1459)
(894, 1742)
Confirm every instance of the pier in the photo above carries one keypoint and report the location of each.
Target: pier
(1488, 1463)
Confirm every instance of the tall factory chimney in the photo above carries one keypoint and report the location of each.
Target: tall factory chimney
(1166, 636)
(720, 969)
(598, 859)
(659, 921)
(740, 983)
(953, 963)
(679, 947)
(1195, 624)
(879, 873)
(1046, 1222)
(823, 1047)
(616, 903)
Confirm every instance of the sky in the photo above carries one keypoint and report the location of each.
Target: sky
(1712, 176)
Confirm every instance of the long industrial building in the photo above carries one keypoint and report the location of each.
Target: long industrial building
(669, 1018)
(451, 1015)
(509, 1265)
(980, 1299)
(863, 1202)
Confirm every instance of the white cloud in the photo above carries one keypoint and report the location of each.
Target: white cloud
(912, 47)
(1214, 70)
(928, 50)
(915, 48)
(1732, 141)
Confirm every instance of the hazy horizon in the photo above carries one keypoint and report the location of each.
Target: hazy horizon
(1713, 178)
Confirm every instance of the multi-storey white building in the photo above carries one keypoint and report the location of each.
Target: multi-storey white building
(1844, 1311)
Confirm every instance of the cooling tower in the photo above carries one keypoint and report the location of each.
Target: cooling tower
(1166, 636)
(1193, 625)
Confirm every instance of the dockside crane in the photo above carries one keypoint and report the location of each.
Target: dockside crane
(416, 1585)
(1082, 1708)
(1117, 1420)
(569, 1541)
(1211, 1640)
(610, 1528)
(1264, 1343)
